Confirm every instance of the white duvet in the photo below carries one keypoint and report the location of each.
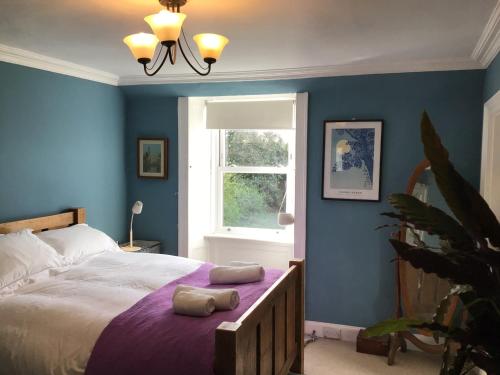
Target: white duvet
(50, 326)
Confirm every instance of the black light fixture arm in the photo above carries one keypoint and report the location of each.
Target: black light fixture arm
(201, 73)
(170, 54)
(147, 71)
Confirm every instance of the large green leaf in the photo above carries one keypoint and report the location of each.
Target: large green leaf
(490, 257)
(443, 307)
(484, 311)
(390, 326)
(471, 260)
(432, 220)
(464, 201)
(455, 333)
(432, 262)
(393, 215)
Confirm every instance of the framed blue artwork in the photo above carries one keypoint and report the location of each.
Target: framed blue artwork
(352, 154)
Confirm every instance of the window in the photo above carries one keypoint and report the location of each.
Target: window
(255, 178)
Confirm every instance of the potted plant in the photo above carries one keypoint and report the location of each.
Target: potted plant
(468, 257)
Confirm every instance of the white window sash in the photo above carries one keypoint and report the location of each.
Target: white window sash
(263, 170)
(286, 232)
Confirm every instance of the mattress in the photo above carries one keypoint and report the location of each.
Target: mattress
(50, 325)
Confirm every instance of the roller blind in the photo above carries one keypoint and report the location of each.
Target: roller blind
(270, 114)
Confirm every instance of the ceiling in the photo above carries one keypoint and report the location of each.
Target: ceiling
(264, 35)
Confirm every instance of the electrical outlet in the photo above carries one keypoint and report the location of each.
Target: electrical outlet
(332, 333)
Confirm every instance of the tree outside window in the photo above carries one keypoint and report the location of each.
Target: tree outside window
(255, 170)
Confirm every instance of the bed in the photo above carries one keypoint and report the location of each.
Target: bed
(56, 318)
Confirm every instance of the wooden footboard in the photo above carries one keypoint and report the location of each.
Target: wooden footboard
(269, 338)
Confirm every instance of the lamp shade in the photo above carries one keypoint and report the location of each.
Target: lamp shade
(137, 208)
(210, 45)
(166, 25)
(142, 45)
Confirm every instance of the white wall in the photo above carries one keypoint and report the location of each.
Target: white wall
(199, 176)
(490, 158)
(223, 250)
(494, 198)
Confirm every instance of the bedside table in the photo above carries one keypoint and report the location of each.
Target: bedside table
(144, 247)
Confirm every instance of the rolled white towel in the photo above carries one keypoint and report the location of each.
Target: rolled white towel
(236, 275)
(237, 263)
(193, 304)
(225, 299)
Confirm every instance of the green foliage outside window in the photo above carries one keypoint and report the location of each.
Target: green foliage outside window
(253, 199)
(256, 149)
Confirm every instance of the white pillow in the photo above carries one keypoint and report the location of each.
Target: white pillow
(78, 241)
(22, 254)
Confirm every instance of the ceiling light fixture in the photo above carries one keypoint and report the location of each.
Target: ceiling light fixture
(167, 28)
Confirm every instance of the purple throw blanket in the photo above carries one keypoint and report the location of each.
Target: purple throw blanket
(150, 339)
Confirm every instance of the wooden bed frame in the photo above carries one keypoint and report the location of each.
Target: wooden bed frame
(38, 224)
(268, 339)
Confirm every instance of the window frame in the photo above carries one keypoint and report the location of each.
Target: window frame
(219, 151)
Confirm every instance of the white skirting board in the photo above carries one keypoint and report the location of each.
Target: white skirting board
(347, 333)
(332, 331)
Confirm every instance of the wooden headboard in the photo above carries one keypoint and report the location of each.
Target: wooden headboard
(38, 224)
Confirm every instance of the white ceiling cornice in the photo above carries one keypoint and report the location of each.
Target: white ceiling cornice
(34, 60)
(309, 72)
(488, 45)
(37, 61)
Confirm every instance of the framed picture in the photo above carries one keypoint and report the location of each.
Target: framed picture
(152, 157)
(352, 153)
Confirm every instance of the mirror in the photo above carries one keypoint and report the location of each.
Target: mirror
(419, 293)
(422, 292)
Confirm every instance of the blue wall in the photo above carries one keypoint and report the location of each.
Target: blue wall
(63, 142)
(153, 117)
(61, 145)
(492, 79)
(350, 279)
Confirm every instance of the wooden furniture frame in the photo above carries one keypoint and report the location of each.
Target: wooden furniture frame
(268, 339)
(38, 224)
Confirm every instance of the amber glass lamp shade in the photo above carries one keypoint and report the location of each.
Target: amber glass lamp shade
(142, 46)
(166, 25)
(210, 46)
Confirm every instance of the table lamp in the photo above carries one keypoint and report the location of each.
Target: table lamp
(136, 210)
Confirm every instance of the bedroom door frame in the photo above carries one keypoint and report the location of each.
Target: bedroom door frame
(491, 127)
(302, 100)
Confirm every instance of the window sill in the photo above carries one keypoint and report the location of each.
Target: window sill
(245, 237)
